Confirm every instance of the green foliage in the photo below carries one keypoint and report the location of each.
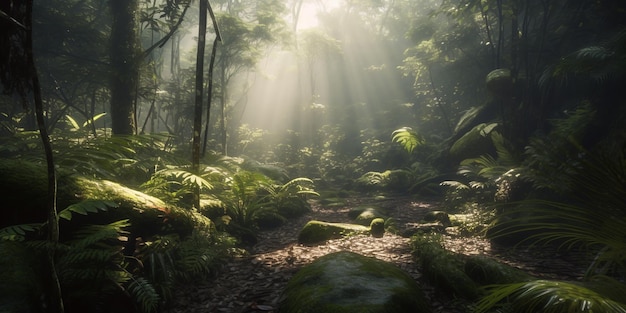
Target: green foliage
(408, 138)
(173, 184)
(550, 296)
(17, 232)
(85, 207)
(290, 199)
(242, 198)
(144, 294)
(20, 279)
(595, 63)
(442, 268)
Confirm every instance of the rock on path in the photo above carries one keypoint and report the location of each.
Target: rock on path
(254, 283)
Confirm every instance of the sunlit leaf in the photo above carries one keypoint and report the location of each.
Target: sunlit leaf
(408, 138)
(72, 121)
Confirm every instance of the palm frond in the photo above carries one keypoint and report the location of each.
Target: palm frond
(549, 297)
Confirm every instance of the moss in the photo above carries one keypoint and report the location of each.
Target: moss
(487, 271)
(443, 269)
(357, 210)
(365, 215)
(438, 216)
(349, 282)
(23, 187)
(268, 220)
(377, 227)
(317, 231)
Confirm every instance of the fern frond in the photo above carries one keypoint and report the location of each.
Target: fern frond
(408, 138)
(85, 207)
(92, 234)
(187, 178)
(17, 232)
(144, 294)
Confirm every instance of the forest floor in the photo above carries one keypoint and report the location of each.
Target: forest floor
(254, 282)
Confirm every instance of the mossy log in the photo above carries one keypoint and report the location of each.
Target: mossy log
(23, 190)
(348, 282)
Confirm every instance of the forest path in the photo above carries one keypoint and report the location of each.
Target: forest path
(253, 283)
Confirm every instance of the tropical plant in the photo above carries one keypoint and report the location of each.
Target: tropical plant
(243, 199)
(555, 297)
(176, 184)
(580, 206)
(290, 199)
(91, 267)
(408, 138)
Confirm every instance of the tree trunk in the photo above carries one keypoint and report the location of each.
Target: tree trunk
(218, 38)
(197, 116)
(124, 54)
(55, 300)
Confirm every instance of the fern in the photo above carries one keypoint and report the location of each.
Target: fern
(144, 294)
(17, 232)
(408, 138)
(85, 207)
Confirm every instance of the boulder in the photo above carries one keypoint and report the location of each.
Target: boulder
(487, 271)
(438, 216)
(317, 231)
(365, 215)
(348, 282)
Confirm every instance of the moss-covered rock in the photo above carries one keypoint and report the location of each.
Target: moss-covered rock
(487, 271)
(317, 231)
(438, 216)
(377, 227)
(474, 143)
(348, 282)
(499, 83)
(444, 269)
(367, 215)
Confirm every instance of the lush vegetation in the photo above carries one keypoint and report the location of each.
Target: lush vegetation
(126, 166)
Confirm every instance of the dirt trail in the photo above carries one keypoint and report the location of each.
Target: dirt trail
(253, 283)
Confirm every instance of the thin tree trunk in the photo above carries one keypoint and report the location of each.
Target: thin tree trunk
(218, 38)
(223, 111)
(55, 301)
(197, 117)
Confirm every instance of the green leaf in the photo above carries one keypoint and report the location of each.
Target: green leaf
(17, 232)
(95, 118)
(73, 122)
(85, 207)
(408, 138)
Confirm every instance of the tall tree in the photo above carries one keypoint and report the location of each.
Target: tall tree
(197, 117)
(125, 58)
(18, 32)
